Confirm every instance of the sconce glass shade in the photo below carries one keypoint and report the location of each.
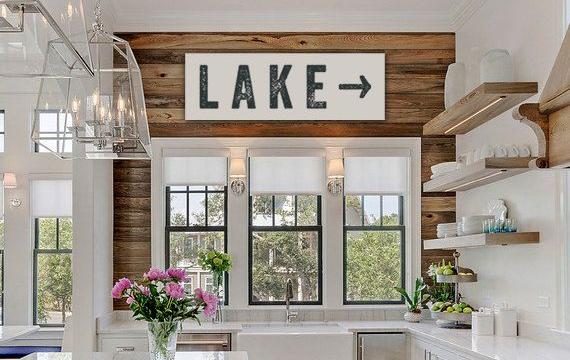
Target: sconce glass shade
(45, 38)
(104, 115)
(237, 168)
(10, 181)
(336, 169)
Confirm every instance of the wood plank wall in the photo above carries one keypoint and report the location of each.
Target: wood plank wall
(415, 71)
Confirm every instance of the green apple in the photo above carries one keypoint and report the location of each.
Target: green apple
(448, 272)
(467, 310)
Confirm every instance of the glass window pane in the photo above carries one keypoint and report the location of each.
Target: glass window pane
(65, 233)
(284, 210)
(48, 145)
(178, 209)
(390, 210)
(54, 280)
(48, 122)
(184, 250)
(196, 188)
(216, 207)
(1, 121)
(353, 210)
(177, 188)
(47, 233)
(197, 209)
(281, 255)
(372, 210)
(307, 210)
(373, 265)
(216, 188)
(261, 210)
(1, 142)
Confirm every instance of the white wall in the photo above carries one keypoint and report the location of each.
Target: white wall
(524, 276)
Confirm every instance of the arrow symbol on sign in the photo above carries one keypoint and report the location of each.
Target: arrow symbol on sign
(364, 86)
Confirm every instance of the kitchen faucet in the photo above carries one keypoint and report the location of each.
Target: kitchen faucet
(288, 296)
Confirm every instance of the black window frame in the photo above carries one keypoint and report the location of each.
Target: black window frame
(198, 228)
(347, 228)
(3, 132)
(38, 251)
(286, 228)
(37, 146)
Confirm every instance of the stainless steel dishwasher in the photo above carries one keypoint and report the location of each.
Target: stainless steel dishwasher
(382, 346)
(204, 342)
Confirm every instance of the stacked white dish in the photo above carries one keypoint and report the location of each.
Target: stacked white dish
(443, 168)
(446, 230)
(471, 225)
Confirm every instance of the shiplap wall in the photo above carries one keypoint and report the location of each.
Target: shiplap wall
(415, 72)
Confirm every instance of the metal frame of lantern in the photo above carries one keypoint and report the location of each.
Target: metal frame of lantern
(105, 114)
(77, 65)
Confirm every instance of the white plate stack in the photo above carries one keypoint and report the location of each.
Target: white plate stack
(471, 225)
(443, 168)
(446, 230)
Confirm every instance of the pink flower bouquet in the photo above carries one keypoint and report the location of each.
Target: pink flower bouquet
(160, 297)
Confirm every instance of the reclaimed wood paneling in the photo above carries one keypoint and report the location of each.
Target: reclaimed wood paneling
(131, 220)
(416, 64)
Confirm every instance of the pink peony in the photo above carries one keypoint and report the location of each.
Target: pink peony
(177, 274)
(144, 290)
(211, 301)
(120, 287)
(174, 290)
(130, 300)
(155, 274)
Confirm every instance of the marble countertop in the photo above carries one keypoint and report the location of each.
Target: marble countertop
(9, 332)
(197, 355)
(481, 347)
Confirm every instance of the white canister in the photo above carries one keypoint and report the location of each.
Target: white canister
(497, 66)
(483, 322)
(505, 321)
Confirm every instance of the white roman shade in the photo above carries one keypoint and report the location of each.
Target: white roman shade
(287, 171)
(52, 198)
(376, 171)
(200, 167)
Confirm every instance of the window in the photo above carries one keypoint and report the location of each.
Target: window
(51, 212)
(196, 221)
(53, 132)
(285, 242)
(373, 249)
(2, 130)
(52, 270)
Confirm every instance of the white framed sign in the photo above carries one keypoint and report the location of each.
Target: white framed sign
(277, 86)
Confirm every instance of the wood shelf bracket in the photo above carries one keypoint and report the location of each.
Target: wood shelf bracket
(529, 115)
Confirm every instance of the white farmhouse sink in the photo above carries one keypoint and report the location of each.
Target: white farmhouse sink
(299, 341)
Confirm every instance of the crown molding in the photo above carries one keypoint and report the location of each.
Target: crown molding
(133, 20)
(290, 21)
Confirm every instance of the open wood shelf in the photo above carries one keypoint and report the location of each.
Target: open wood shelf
(479, 240)
(484, 103)
(479, 173)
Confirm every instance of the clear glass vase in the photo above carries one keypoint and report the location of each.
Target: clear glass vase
(218, 283)
(162, 339)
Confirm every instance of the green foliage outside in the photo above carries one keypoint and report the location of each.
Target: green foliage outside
(54, 272)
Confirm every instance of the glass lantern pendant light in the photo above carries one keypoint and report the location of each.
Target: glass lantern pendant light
(46, 38)
(102, 117)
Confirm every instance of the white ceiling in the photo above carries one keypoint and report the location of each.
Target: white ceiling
(289, 15)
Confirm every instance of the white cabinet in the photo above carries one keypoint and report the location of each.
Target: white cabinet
(421, 350)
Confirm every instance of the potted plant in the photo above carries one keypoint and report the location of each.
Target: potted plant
(161, 300)
(218, 263)
(414, 301)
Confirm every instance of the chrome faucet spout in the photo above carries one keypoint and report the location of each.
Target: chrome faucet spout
(290, 315)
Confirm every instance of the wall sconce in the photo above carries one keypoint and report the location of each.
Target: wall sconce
(238, 175)
(335, 176)
(10, 182)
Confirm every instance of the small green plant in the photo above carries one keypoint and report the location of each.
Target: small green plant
(215, 261)
(439, 292)
(415, 300)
